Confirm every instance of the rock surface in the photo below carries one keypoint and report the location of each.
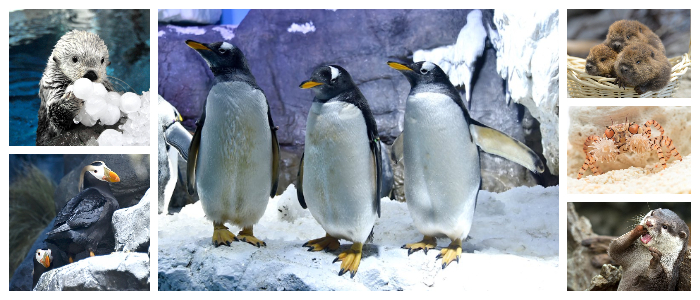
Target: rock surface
(114, 272)
(132, 225)
(188, 261)
(189, 16)
(579, 269)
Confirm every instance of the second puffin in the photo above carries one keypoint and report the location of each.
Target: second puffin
(341, 166)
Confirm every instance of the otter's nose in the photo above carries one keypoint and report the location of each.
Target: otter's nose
(589, 67)
(91, 75)
(624, 69)
(649, 224)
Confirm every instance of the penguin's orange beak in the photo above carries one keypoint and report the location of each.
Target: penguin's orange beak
(309, 84)
(196, 45)
(398, 66)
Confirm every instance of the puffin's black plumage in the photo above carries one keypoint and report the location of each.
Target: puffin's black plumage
(84, 223)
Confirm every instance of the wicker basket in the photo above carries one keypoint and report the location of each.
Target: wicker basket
(582, 85)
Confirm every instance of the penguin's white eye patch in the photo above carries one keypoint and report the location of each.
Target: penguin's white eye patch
(427, 66)
(334, 73)
(225, 46)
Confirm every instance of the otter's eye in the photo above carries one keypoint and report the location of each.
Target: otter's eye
(639, 62)
(628, 37)
(602, 59)
(423, 71)
(102, 61)
(222, 50)
(664, 226)
(75, 59)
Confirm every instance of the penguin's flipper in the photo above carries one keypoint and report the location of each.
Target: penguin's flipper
(495, 142)
(177, 136)
(300, 183)
(275, 156)
(377, 151)
(193, 152)
(397, 149)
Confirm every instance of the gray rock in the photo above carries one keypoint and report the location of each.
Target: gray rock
(133, 171)
(132, 226)
(579, 269)
(114, 272)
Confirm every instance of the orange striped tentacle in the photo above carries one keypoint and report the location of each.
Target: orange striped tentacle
(590, 162)
(671, 148)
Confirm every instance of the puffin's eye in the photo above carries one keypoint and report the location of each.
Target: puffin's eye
(75, 59)
(222, 50)
(95, 171)
(103, 61)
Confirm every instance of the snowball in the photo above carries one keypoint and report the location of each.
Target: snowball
(99, 90)
(130, 102)
(110, 137)
(82, 88)
(84, 118)
(110, 115)
(113, 98)
(93, 106)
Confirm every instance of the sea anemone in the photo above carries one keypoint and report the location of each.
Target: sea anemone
(638, 143)
(604, 150)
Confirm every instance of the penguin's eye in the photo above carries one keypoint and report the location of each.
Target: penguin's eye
(423, 71)
(102, 61)
(222, 50)
(334, 80)
(75, 59)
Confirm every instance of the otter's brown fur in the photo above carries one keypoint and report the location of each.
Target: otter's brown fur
(601, 61)
(624, 32)
(76, 55)
(653, 253)
(643, 67)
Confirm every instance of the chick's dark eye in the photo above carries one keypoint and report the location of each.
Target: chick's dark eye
(75, 59)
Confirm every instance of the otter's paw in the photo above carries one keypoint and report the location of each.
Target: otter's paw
(426, 244)
(327, 243)
(246, 235)
(451, 253)
(350, 260)
(222, 236)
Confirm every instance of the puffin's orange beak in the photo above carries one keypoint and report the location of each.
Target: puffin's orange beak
(46, 259)
(111, 176)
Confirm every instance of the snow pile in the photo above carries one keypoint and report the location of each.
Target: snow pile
(458, 60)
(108, 108)
(303, 28)
(518, 229)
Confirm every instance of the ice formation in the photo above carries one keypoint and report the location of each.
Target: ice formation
(109, 108)
(303, 28)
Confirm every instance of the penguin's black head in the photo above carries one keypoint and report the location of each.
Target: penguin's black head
(221, 57)
(422, 72)
(328, 82)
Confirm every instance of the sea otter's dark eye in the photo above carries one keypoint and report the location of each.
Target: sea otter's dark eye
(639, 62)
(628, 37)
(602, 59)
(75, 59)
(664, 226)
(103, 61)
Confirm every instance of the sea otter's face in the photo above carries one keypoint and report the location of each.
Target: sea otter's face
(665, 231)
(81, 54)
(601, 61)
(637, 63)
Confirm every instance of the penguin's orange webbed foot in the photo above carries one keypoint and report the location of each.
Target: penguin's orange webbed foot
(350, 260)
(451, 253)
(426, 244)
(222, 236)
(327, 243)
(246, 235)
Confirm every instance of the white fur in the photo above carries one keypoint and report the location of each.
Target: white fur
(442, 174)
(339, 182)
(234, 166)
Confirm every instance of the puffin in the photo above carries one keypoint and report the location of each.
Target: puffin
(86, 220)
(43, 261)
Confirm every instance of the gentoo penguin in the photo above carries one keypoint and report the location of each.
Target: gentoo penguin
(86, 220)
(234, 154)
(173, 140)
(43, 261)
(442, 174)
(340, 170)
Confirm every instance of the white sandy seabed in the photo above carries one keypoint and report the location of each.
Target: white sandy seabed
(514, 242)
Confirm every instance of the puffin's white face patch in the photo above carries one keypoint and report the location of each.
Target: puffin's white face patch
(428, 66)
(226, 46)
(334, 72)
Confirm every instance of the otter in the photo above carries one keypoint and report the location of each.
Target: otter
(652, 254)
(623, 32)
(601, 61)
(78, 54)
(642, 66)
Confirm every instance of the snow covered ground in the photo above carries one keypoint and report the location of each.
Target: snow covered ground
(514, 242)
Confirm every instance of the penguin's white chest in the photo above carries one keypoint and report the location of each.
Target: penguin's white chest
(234, 167)
(442, 171)
(339, 171)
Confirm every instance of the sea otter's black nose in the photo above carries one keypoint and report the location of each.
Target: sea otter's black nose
(616, 46)
(91, 75)
(624, 69)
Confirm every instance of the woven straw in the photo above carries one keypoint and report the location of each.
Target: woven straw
(582, 85)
